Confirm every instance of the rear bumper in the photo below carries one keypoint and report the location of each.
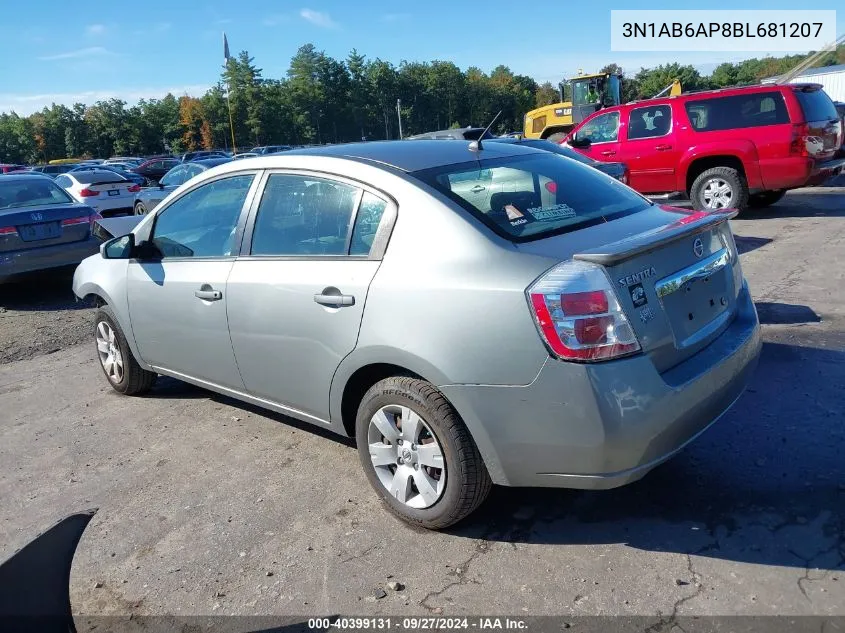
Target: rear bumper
(605, 425)
(826, 170)
(34, 259)
(795, 172)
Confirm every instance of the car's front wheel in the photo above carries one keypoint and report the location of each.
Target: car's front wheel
(418, 454)
(140, 209)
(122, 371)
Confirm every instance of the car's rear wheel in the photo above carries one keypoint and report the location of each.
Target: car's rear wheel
(122, 371)
(418, 454)
(765, 198)
(719, 188)
(140, 209)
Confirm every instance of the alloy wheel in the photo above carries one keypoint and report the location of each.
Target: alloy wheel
(717, 194)
(407, 457)
(109, 352)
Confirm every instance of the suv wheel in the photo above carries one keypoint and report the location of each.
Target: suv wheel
(418, 455)
(719, 188)
(122, 371)
(765, 198)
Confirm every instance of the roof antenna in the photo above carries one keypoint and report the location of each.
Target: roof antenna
(475, 146)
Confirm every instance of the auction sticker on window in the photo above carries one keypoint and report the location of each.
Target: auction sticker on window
(557, 212)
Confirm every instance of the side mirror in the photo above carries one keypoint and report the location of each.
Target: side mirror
(119, 247)
(579, 142)
(160, 186)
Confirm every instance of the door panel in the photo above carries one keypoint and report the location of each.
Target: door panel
(288, 345)
(651, 149)
(176, 330)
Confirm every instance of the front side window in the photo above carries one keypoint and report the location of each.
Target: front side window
(203, 222)
(602, 129)
(304, 216)
(538, 195)
(738, 111)
(175, 177)
(649, 122)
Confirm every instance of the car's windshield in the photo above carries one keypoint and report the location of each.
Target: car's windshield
(528, 197)
(32, 192)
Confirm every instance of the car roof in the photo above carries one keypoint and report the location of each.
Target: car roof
(105, 173)
(23, 175)
(410, 156)
(208, 163)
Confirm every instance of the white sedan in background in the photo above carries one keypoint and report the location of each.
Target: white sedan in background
(107, 192)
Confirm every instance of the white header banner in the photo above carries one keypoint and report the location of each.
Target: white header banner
(721, 30)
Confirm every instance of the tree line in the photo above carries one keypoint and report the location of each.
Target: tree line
(326, 100)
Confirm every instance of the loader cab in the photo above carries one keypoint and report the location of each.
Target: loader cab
(593, 92)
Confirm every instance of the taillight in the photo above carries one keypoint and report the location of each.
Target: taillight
(578, 315)
(87, 193)
(8, 230)
(133, 188)
(74, 221)
(798, 146)
(729, 242)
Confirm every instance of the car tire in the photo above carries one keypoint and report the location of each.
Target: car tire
(435, 498)
(765, 198)
(121, 369)
(719, 188)
(140, 209)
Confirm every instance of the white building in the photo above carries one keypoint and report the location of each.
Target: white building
(832, 78)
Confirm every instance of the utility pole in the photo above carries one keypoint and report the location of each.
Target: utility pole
(399, 116)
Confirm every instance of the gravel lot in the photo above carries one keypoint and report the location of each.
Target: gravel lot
(202, 499)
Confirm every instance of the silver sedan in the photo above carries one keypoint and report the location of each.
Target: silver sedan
(561, 331)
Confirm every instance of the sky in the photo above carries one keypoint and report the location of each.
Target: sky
(97, 50)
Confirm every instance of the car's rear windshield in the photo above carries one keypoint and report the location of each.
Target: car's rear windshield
(103, 175)
(530, 197)
(35, 191)
(816, 105)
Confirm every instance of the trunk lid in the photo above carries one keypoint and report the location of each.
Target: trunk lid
(824, 129)
(110, 189)
(675, 274)
(34, 227)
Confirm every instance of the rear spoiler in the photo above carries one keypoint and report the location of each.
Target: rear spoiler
(691, 224)
(108, 182)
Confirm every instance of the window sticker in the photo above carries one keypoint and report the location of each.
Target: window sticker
(557, 212)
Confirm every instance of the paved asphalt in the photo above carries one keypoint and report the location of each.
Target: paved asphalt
(201, 498)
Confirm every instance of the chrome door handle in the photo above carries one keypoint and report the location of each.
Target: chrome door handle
(335, 301)
(208, 295)
(477, 189)
(608, 152)
(662, 148)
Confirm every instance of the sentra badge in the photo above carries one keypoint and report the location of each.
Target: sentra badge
(639, 277)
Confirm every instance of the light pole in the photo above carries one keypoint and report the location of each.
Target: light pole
(399, 116)
(226, 56)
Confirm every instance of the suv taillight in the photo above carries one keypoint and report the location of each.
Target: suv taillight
(578, 315)
(798, 146)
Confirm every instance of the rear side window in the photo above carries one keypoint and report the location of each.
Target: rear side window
(816, 105)
(739, 111)
(649, 122)
(529, 197)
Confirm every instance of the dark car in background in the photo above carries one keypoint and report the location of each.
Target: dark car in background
(5, 168)
(42, 226)
(619, 171)
(148, 198)
(155, 168)
(270, 149)
(53, 170)
(202, 154)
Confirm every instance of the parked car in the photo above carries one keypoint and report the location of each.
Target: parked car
(104, 190)
(135, 160)
(199, 155)
(457, 134)
(590, 334)
(734, 147)
(155, 168)
(270, 149)
(5, 168)
(148, 198)
(619, 171)
(41, 226)
(243, 155)
(54, 170)
(117, 168)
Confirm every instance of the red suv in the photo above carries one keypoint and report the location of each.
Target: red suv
(734, 147)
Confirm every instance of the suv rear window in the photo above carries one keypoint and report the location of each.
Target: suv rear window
(524, 198)
(738, 111)
(816, 105)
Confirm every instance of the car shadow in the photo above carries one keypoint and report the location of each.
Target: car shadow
(809, 203)
(765, 485)
(41, 291)
(748, 244)
(785, 313)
